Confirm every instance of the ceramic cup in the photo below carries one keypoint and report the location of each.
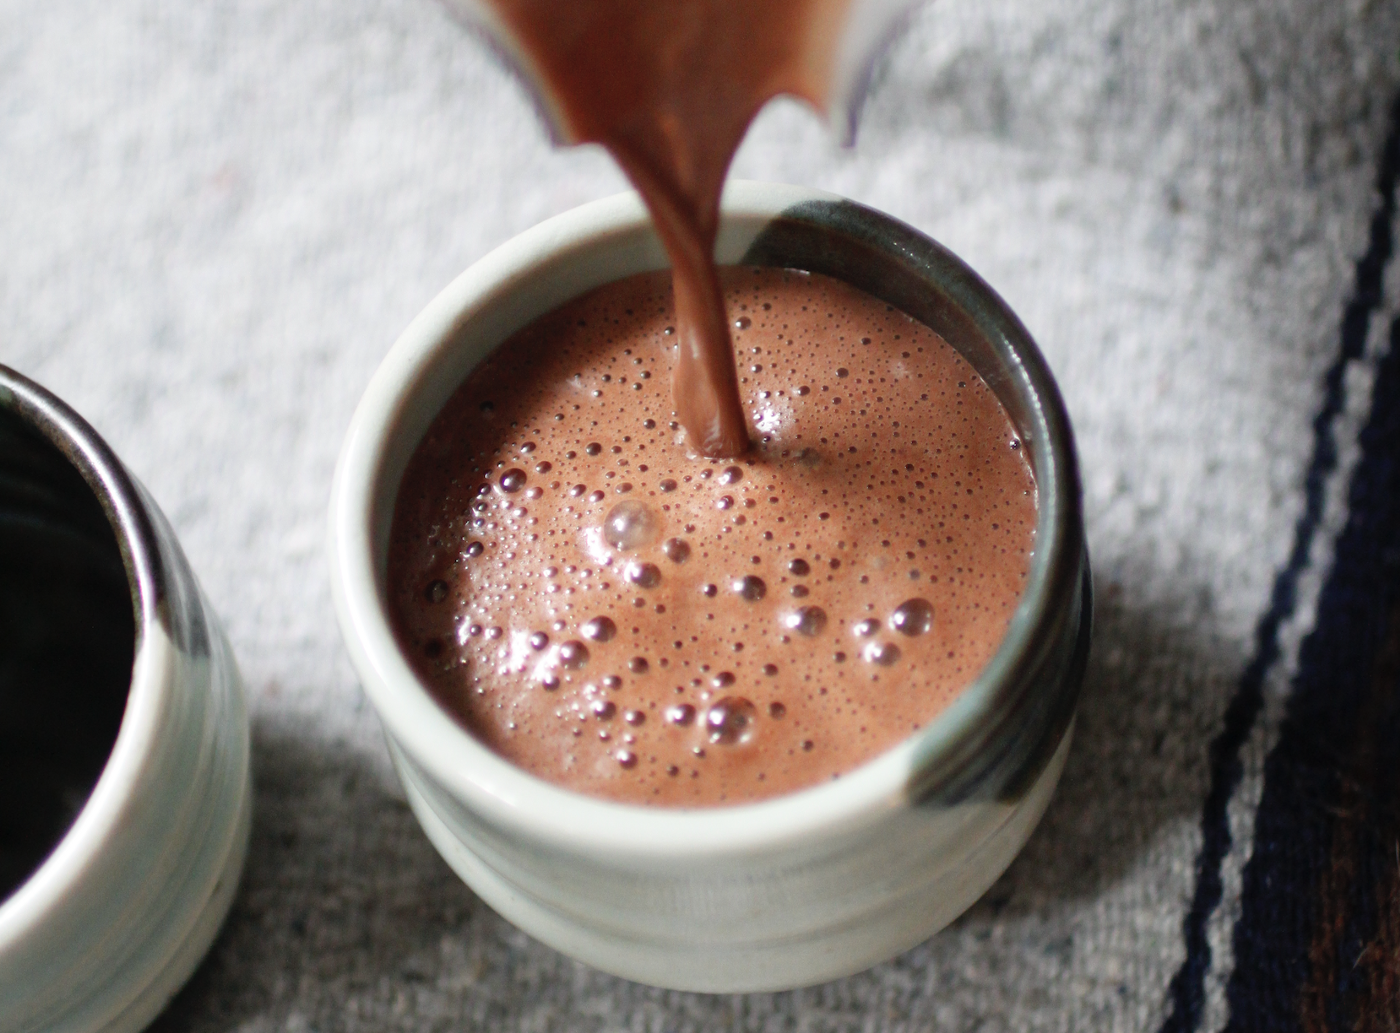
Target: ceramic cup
(123, 721)
(789, 891)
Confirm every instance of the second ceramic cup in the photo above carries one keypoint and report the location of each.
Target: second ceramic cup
(793, 890)
(124, 731)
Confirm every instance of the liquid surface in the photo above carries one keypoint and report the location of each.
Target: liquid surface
(669, 89)
(621, 620)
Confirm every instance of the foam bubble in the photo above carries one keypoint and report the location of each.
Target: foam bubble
(573, 655)
(630, 525)
(599, 629)
(749, 587)
(912, 617)
(730, 721)
(809, 621)
(643, 575)
(882, 653)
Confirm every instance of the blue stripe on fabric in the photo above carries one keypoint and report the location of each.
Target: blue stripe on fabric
(1186, 993)
(1331, 768)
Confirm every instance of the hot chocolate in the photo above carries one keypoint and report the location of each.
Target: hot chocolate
(632, 623)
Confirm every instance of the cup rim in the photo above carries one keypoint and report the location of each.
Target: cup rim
(101, 817)
(504, 796)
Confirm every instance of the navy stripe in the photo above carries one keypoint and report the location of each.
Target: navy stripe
(1186, 993)
(1324, 835)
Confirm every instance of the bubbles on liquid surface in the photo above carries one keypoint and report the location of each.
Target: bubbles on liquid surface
(729, 721)
(599, 629)
(630, 525)
(573, 655)
(749, 587)
(604, 709)
(809, 621)
(882, 653)
(512, 480)
(643, 575)
(743, 323)
(436, 591)
(548, 570)
(912, 617)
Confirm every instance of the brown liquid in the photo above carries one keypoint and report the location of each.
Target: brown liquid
(670, 88)
(623, 621)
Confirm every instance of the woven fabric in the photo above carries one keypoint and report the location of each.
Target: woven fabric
(216, 217)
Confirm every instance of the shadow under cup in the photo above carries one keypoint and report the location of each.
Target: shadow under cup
(789, 891)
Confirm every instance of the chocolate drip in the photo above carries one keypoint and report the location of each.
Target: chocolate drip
(669, 88)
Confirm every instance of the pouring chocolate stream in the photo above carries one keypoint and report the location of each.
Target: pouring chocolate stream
(669, 89)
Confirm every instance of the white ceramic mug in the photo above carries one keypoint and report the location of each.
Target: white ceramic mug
(104, 931)
(789, 891)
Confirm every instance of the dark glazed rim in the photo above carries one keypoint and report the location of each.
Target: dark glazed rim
(104, 474)
(134, 525)
(905, 268)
